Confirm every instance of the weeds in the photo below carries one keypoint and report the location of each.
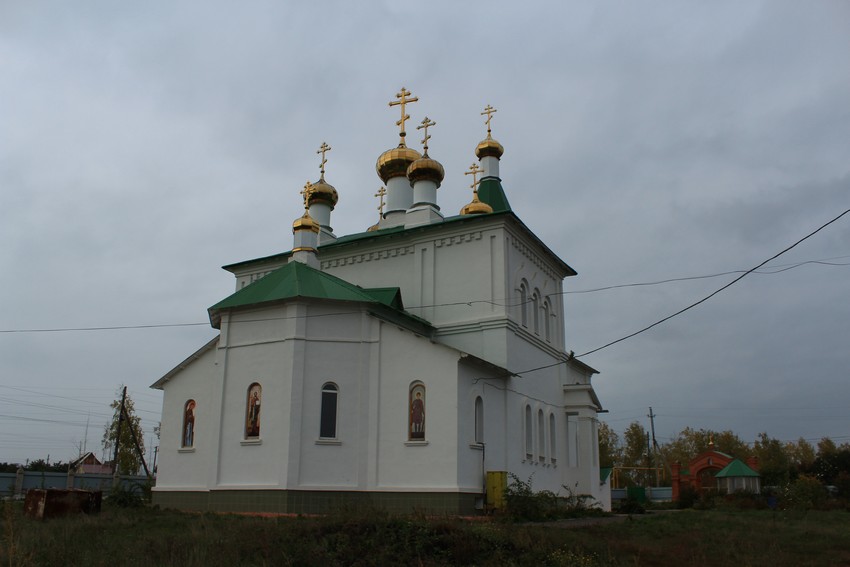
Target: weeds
(524, 504)
(11, 537)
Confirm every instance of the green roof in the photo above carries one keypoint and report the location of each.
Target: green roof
(604, 473)
(490, 191)
(297, 279)
(735, 469)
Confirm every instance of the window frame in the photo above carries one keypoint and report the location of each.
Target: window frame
(330, 395)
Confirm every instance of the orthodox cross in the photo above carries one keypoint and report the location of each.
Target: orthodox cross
(322, 150)
(381, 192)
(474, 170)
(306, 192)
(426, 124)
(402, 101)
(489, 111)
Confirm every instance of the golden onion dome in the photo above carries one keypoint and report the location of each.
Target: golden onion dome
(305, 222)
(489, 147)
(476, 207)
(373, 228)
(394, 162)
(322, 192)
(426, 168)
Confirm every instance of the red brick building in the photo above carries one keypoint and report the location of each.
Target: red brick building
(701, 471)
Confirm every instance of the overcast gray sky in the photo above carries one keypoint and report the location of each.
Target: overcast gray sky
(144, 145)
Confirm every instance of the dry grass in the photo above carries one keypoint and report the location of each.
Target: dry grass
(698, 538)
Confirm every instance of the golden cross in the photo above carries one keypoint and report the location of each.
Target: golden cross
(322, 150)
(402, 101)
(474, 170)
(381, 192)
(489, 111)
(306, 192)
(426, 124)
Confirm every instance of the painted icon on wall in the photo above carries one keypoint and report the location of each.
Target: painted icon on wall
(189, 424)
(252, 421)
(416, 430)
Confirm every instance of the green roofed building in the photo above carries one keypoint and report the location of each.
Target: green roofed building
(378, 366)
(738, 477)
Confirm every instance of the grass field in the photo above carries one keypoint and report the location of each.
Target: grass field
(151, 537)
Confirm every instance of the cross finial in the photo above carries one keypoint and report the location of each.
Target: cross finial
(426, 124)
(323, 150)
(306, 192)
(474, 170)
(489, 111)
(403, 100)
(380, 194)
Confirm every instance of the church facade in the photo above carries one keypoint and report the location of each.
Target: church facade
(397, 366)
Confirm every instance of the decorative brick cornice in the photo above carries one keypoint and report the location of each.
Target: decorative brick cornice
(457, 239)
(376, 255)
(368, 256)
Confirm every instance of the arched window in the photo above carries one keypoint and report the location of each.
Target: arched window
(327, 419)
(553, 447)
(479, 420)
(547, 316)
(529, 434)
(416, 407)
(252, 411)
(188, 437)
(535, 307)
(523, 303)
(541, 437)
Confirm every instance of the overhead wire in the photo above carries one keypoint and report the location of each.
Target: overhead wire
(502, 302)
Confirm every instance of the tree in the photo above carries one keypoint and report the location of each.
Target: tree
(826, 446)
(42, 465)
(635, 454)
(129, 460)
(610, 451)
(690, 442)
(774, 462)
(801, 453)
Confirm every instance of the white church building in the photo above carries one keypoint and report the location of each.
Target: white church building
(397, 366)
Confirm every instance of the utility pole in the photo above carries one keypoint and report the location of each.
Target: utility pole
(651, 417)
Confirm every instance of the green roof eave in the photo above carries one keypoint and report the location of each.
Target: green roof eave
(387, 295)
(273, 258)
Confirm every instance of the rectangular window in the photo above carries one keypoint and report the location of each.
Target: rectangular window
(327, 421)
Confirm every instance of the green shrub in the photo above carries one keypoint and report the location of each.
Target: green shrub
(805, 493)
(130, 496)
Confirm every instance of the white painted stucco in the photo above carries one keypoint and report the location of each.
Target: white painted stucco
(466, 277)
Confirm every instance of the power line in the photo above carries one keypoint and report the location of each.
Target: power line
(783, 268)
(505, 302)
(712, 294)
(691, 306)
